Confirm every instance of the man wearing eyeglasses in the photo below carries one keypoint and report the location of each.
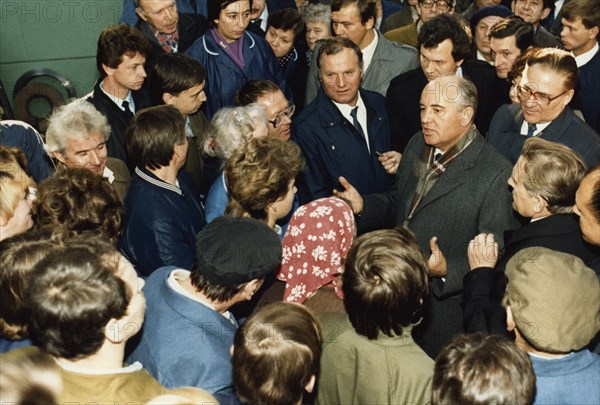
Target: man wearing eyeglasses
(426, 9)
(279, 110)
(533, 11)
(345, 130)
(546, 88)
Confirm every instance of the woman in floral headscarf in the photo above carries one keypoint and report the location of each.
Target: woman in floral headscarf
(318, 239)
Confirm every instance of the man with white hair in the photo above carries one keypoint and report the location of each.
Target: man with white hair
(77, 136)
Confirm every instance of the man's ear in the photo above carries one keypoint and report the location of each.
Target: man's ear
(310, 386)
(60, 157)
(545, 13)
(108, 70)
(467, 115)
(568, 97)
(251, 288)
(510, 321)
(140, 13)
(370, 23)
(167, 98)
(113, 331)
(594, 31)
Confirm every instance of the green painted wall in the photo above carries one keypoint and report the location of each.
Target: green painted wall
(60, 35)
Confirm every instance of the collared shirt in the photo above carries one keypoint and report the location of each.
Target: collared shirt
(558, 5)
(180, 275)
(361, 115)
(264, 17)
(119, 101)
(137, 366)
(540, 127)
(481, 57)
(108, 174)
(188, 128)
(587, 56)
(369, 51)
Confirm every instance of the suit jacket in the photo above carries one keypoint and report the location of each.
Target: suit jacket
(194, 162)
(544, 39)
(389, 60)
(586, 93)
(484, 287)
(397, 20)
(405, 90)
(405, 35)
(190, 26)
(567, 128)
(122, 176)
(332, 147)
(117, 119)
(470, 197)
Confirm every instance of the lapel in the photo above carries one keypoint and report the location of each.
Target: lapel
(455, 175)
(225, 60)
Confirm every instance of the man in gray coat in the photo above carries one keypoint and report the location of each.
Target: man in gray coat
(451, 185)
(383, 60)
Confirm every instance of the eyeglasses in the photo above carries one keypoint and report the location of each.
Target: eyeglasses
(532, 4)
(287, 113)
(542, 99)
(440, 4)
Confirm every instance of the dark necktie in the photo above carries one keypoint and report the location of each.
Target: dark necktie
(128, 112)
(355, 122)
(531, 129)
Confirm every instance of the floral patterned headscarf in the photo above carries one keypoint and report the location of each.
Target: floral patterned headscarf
(317, 240)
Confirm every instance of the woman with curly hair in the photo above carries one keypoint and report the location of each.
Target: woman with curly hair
(260, 178)
(75, 201)
(16, 194)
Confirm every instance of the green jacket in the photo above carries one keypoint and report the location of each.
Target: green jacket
(356, 370)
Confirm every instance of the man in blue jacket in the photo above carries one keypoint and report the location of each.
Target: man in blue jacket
(189, 329)
(345, 130)
(163, 212)
(232, 55)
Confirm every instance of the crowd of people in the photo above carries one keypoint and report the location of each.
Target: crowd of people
(312, 202)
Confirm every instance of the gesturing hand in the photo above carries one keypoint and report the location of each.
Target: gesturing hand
(351, 195)
(437, 260)
(483, 251)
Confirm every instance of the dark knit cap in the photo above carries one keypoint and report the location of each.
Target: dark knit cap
(233, 251)
(498, 11)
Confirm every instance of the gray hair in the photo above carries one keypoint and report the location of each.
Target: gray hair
(76, 120)
(316, 13)
(232, 127)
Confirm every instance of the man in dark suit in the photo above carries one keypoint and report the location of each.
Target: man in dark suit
(444, 47)
(118, 94)
(581, 20)
(533, 11)
(546, 88)
(345, 130)
(451, 184)
(167, 30)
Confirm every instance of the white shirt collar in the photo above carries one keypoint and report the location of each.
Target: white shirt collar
(586, 56)
(137, 366)
(108, 174)
(482, 58)
(180, 274)
(558, 4)
(369, 51)
(264, 18)
(361, 115)
(540, 126)
(119, 101)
